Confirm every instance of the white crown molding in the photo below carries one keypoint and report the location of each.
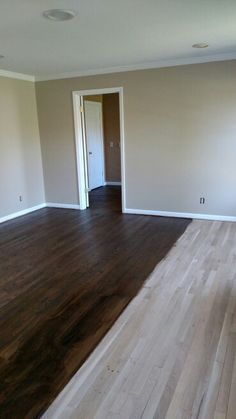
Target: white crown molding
(144, 66)
(19, 76)
(121, 69)
(181, 215)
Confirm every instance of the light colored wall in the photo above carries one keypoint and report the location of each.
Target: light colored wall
(180, 137)
(111, 129)
(20, 154)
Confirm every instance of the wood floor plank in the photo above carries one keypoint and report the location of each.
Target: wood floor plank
(65, 277)
(172, 354)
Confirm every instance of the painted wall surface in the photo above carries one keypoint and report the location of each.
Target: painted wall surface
(111, 129)
(20, 153)
(180, 137)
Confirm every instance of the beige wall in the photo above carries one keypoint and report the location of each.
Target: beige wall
(111, 129)
(20, 154)
(180, 137)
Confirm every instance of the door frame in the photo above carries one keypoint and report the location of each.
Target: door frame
(80, 142)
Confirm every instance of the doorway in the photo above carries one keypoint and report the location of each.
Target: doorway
(99, 136)
(93, 117)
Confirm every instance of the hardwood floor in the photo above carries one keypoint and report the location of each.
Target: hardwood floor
(106, 199)
(65, 277)
(172, 352)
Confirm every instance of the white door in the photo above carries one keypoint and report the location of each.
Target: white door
(94, 139)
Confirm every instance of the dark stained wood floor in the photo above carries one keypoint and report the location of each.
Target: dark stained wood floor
(65, 276)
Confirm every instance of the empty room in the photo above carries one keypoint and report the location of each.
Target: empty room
(117, 209)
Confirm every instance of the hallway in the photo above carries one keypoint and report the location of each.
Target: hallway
(106, 198)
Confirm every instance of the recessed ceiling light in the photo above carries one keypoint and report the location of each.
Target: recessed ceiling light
(200, 45)
(59, 15)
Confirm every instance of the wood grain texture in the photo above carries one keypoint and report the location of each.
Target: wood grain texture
(172, 352)
(66, 276)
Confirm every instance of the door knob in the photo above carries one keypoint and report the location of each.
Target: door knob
(90, 152)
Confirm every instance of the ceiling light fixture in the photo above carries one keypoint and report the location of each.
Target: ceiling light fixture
(200, 45)
(59, 15)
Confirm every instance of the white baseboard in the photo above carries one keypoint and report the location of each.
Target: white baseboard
(22, 212)
(181, 215)
(112, 183)
(126, 211)
(35, 208)
(65, 206)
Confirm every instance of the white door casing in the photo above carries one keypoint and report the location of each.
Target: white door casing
(80, 145)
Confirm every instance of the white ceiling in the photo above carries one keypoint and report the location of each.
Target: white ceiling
(108, 35)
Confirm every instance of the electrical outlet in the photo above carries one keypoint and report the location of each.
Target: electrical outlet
(202, 200)
(20, 198)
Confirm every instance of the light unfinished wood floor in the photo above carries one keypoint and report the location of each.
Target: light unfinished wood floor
(171, 354)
